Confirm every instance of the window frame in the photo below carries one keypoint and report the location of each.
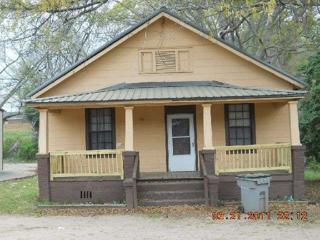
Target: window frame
(177, 58)
(252, 123)
(88, 131)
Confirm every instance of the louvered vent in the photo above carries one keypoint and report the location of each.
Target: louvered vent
(165, 61)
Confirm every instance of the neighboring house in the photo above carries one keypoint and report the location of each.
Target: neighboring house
(166, 114)
(15, 121)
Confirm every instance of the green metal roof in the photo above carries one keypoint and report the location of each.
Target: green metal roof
(128, 31)
(176, 91)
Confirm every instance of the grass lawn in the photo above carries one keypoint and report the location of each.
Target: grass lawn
(312, 175)
(18, 196)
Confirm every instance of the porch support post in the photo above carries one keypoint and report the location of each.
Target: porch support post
(43, 131)
(211, 181)
(297, 153)
(44, 176)
(294, 123)
(128, 143)
(207, 127)
(131, 173)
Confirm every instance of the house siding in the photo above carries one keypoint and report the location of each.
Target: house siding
(272, 123)
(207, 61)
(66, 129)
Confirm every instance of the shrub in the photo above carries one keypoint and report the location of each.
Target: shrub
(19, 146)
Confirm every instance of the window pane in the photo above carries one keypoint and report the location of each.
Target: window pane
(238, 115)
(247, 133)
(232, 123)
(245, 107)
(180, 127)
(246, 114)
(239, 123)
(93, 137)
(238, 107)
(181, 146)
(232, 107)
(246, 122)
(240, 133)
(232, 132)
(240, 141)
(232, 115)
(233, 142)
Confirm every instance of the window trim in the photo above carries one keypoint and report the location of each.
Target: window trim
(152, 50)
(252, 122)
(113, 123)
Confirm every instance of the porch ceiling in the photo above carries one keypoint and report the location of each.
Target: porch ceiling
(175, 91)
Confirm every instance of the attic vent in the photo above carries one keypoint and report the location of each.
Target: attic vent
(164, 61)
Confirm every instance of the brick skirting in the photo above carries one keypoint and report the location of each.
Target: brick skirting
(105, 191)
(223, 187)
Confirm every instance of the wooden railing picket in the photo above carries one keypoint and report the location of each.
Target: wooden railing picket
(86, 163)
(253, 158)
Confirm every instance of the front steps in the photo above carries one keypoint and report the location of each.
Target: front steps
(170, 192)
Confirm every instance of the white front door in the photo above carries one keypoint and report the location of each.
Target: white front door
(181, 142)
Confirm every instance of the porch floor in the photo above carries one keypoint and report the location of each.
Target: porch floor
(169, 175)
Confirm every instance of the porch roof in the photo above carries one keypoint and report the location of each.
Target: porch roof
(175, 91)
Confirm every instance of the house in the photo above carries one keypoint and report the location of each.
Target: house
(166, 114)
(15, 121)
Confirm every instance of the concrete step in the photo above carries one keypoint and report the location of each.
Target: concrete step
(162, 195)
(169, 202)
(170, 185)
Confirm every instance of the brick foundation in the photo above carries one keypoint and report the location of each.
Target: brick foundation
(298, 166)
(130, 158)
(105, 190)
(44, 176)
(211, 181)
(86, 190)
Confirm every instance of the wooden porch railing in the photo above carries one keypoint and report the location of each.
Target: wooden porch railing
(86, 163)
(253, 158)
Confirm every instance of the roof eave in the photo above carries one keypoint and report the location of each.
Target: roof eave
(151, 101)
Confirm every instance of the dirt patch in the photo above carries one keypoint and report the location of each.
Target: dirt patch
(128, 226)
(278, 212)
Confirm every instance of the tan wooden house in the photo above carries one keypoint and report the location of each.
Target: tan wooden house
(167, 114)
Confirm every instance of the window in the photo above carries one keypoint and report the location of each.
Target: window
(240, 124)
(100, 128)
(164, 61)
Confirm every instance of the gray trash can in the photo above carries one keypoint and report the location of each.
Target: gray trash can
(254, 191)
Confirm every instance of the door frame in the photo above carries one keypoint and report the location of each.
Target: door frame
(189, 109)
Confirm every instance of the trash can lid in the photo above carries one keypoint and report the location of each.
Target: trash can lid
(253, 175)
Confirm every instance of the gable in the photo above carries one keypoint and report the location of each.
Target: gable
(208, 61)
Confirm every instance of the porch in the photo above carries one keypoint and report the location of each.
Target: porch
(114, 176)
